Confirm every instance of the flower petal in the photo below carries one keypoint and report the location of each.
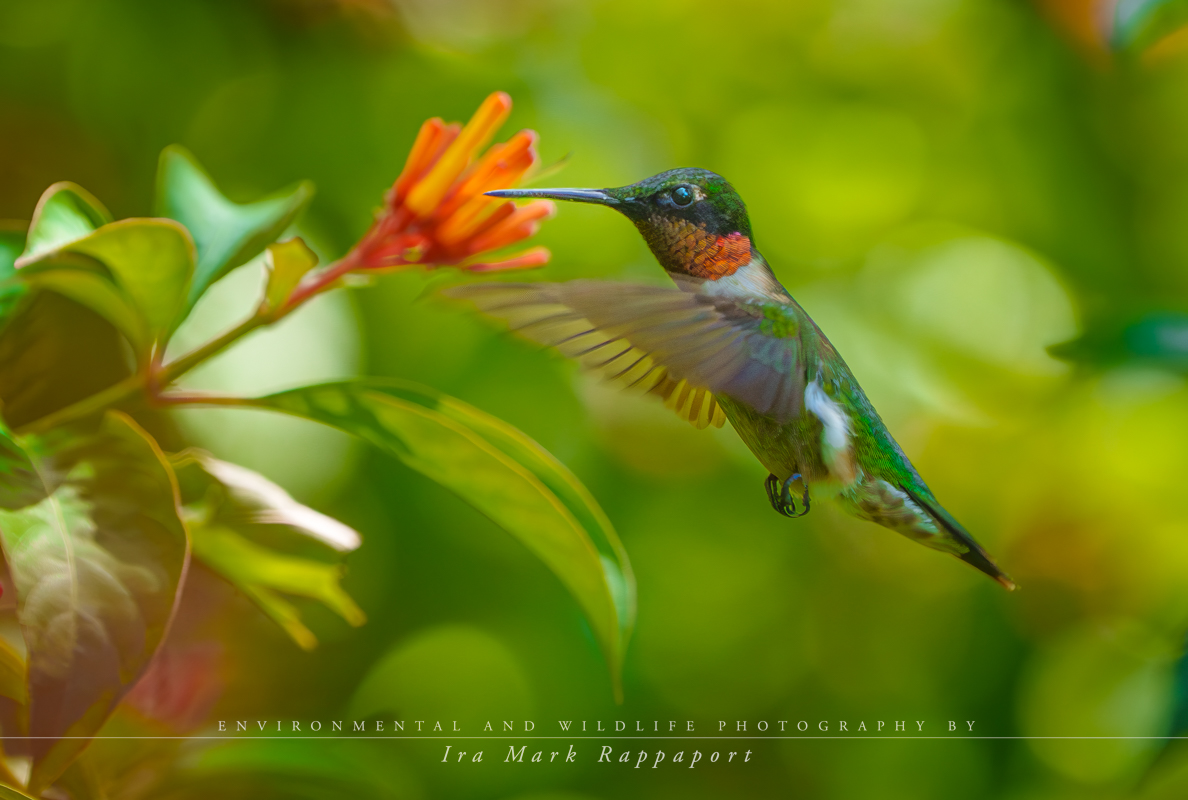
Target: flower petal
(424, 197)
(533, 257)
(521, 224)
(419, 157)
(499, 168)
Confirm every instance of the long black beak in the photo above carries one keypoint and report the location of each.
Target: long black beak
(596, 196)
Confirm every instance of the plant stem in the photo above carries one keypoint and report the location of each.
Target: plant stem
(175, 369)
(156, 377)
(153, 379)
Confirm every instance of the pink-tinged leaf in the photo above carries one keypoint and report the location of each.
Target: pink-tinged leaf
(90, 527)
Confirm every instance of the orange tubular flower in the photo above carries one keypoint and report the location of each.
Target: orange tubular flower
(436, 213)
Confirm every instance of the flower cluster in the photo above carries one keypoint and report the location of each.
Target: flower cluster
(436, 213)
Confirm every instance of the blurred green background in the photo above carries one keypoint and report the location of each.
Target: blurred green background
(947, 186)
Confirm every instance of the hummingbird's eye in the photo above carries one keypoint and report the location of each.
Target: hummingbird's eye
(682, 195)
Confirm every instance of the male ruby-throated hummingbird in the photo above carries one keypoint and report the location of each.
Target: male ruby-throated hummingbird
(729, 342)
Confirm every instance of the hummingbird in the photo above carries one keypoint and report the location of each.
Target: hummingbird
(728, 342)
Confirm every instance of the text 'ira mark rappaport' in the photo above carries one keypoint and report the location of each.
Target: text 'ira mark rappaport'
(606, 756)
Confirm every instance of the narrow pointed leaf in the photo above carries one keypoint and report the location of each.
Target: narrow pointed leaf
(227, 234)
(502, 473)
(253, 499)
(263, 575)
(90, 529)
(65, 213)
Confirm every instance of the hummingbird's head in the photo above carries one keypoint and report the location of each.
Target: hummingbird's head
(692, 219)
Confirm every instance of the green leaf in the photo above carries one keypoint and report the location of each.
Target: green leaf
(1157, 340)
(92, 536)
(263, 574)
(136, 273)
(152, 260)
(502, 473)
(65, 213)
(250, 531)
(1140, 23)
(55, 352)
(98, 293)
(227, 234)
(150, 263)
(12, 243)
(288, 261)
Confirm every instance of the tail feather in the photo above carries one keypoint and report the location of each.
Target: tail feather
(974, 555)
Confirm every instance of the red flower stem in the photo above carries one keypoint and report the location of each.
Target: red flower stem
(354, 259)
(321, 282)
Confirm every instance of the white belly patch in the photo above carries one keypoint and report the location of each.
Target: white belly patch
(835, 438)
(837, 425)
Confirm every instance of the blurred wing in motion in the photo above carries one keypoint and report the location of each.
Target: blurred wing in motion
(683, 346)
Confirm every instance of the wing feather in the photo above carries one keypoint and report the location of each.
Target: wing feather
(682, 346)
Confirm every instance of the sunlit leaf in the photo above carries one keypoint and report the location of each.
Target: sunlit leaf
(250, 531)
(227, 234)
(288, 262)
(503, 474)
(92, 537)
(152, 260)
(149, 261)
(1139, 23)
(253, 499)
(65, 213)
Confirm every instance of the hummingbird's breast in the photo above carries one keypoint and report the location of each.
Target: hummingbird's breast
(687, 247)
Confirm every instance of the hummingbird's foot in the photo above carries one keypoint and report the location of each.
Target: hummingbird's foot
(772, 485)
(780, 496)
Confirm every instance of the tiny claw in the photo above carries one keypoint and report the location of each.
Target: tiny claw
(781, 498)
(771, 484)
(788, 504)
